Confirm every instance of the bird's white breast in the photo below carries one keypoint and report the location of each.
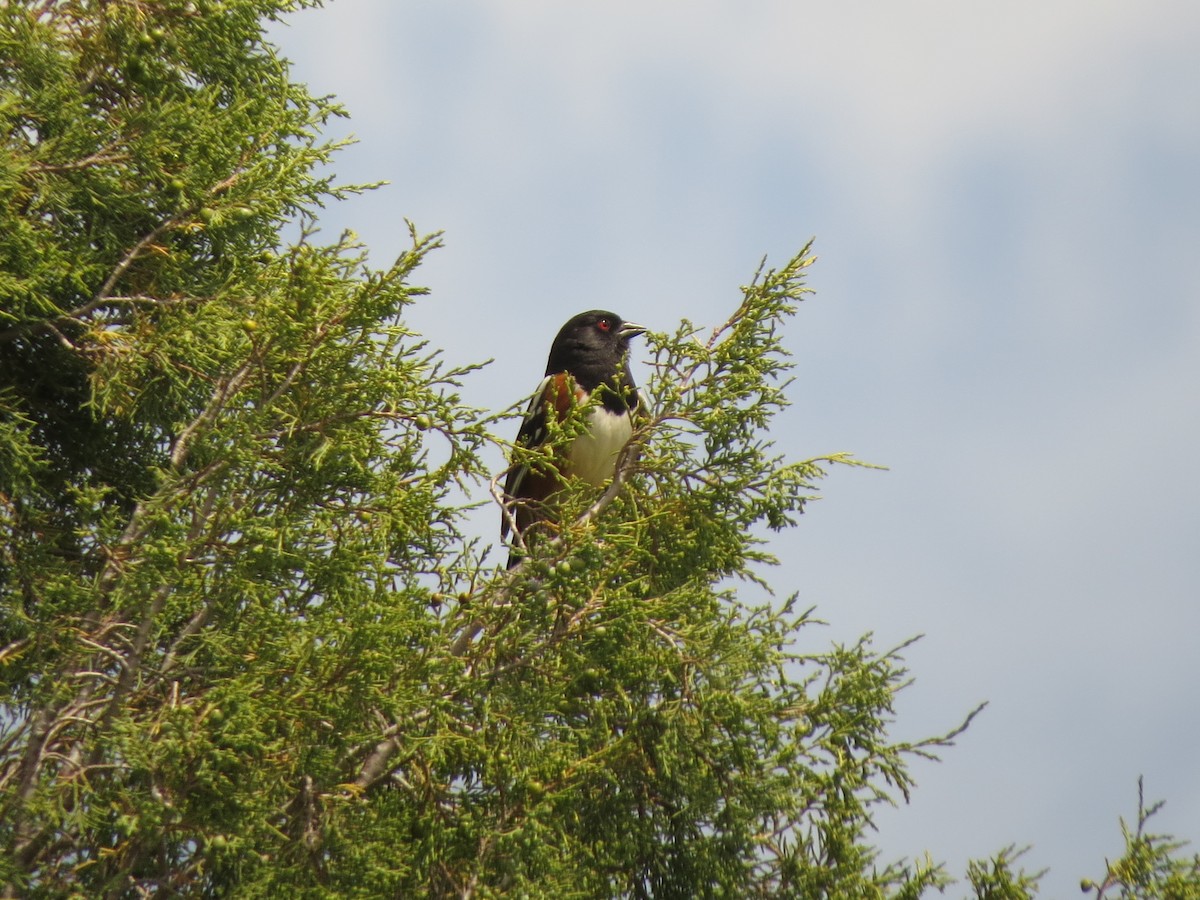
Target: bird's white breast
(594, 453)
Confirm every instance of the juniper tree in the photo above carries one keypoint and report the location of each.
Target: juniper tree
(248, 646)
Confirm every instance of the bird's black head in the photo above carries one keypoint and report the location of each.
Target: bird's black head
(593, 346)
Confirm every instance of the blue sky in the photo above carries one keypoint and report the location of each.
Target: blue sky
(1006, 206)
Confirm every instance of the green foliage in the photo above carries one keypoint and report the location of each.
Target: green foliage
(1151, 867)
(995, 879)
(248, 648)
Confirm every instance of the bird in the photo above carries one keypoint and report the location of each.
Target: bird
(589, 356)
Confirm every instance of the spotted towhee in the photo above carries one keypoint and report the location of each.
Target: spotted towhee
(590, 356)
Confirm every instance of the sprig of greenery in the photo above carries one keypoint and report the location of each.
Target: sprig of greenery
(1151, 866)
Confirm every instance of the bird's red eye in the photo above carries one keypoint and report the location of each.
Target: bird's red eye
(604, 324)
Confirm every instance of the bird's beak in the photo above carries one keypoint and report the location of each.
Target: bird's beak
(630, 330)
